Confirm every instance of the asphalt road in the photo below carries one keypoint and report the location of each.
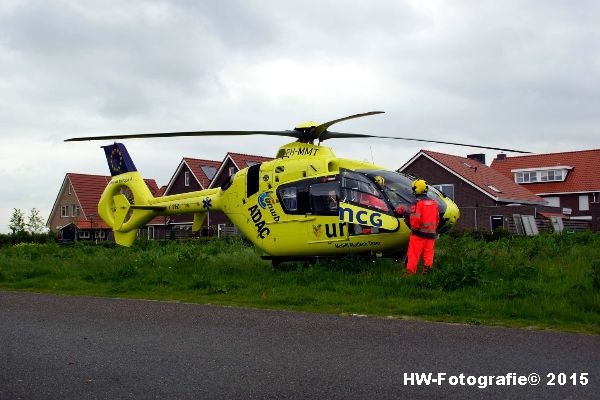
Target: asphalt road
(58, 347)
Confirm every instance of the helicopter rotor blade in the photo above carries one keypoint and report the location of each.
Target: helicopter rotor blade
(183, 134)
(318, 131)
(315, 133)
(342, 135)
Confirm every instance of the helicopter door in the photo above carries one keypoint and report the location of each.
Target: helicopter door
(323, 201)
(362, 203)
(324, 197)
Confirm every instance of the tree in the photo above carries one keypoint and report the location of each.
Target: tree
(17, 221)
(35, 223)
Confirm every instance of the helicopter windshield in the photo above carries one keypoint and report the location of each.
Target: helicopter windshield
(397, 188)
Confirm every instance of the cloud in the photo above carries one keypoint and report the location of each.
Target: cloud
(520, 74)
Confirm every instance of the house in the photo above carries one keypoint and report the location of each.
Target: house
(487, 199)
(74, 215)
(569, 181)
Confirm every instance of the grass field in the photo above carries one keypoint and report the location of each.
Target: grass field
(546, 282)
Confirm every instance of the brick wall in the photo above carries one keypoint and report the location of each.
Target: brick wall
(65, 199)
(572, 201)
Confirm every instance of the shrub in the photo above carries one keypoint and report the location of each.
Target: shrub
(456, 277)
(26, 237)
(595, 274)
(486, 236)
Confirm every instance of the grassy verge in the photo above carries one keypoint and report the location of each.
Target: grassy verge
(550, 281)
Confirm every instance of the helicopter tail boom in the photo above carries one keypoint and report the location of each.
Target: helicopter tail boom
(127, 203)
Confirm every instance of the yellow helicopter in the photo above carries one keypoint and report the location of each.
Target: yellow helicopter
(304, 204)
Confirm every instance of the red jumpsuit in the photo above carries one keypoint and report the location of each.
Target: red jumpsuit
(424, 219)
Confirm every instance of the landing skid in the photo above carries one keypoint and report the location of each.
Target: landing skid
(276, 261)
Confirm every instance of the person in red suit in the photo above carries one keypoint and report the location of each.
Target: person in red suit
(424, 219)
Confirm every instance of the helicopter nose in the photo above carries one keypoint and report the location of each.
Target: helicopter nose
(452, 213)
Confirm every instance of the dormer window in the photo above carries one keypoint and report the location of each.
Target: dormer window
(526, 177)
(534, 175)
(552, 175)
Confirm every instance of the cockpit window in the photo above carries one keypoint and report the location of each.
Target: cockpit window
(397, 188)
(357, 189)
(289, 197)
(324, 197)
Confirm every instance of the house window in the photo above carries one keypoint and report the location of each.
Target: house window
(446, 189)
(526, 177)
(209, 171)
(519, 177)
(74, 210)
(584, 202)
(595, 197)
(150, 233)
(552, 201)
(99, 234)
(552, 175)
(84, 234)
(231, 171)
(542, 175)
(497, 222)
(64, 211)
(186, 178)
(70, 188)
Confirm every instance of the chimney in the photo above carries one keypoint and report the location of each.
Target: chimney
(501, 157)
(477, 157)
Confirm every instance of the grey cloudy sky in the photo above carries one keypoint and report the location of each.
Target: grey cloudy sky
(520, 74)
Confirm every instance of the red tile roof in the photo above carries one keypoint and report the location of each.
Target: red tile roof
(241, 160)
(482, 177)
(153, 186)
(196, 164)
(160, 220)
(89, 188)
(584, 176)
(96, 223)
